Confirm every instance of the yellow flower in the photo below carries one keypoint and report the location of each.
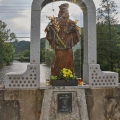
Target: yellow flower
(64, 69)
(71, 76)
(64, 72)
(69, 71)
(64, 75)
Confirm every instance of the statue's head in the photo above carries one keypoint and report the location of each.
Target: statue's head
(64, 6)
(63, 12)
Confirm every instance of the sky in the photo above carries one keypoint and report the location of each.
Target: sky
(17, 15)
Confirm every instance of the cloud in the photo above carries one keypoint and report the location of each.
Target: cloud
(0, 2)
(18, 14)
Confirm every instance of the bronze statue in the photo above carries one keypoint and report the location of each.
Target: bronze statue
(62, 34)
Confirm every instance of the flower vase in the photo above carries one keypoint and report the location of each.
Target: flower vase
(61, 82)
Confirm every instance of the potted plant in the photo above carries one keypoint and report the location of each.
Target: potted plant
(65, 78)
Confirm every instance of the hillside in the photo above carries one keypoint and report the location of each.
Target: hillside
(21, 46)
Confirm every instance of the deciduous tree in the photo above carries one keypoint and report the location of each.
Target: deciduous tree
(6, 49)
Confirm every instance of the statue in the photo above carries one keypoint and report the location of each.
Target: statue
(62, 34)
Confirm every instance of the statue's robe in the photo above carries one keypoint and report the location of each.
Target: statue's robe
(70, 36)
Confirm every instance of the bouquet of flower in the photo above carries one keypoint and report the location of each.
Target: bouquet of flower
(65, 78)
(66, 74)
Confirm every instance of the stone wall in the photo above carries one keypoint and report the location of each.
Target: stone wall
(20, 104)
(102, 103)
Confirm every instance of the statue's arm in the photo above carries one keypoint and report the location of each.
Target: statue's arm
(71, 28)
(48, 27)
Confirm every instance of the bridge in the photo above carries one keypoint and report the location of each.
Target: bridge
(25, 58)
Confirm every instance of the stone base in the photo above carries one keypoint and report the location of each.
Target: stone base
(28, 79)
(50, 105)
(94, 77)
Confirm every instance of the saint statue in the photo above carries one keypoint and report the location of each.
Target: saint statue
(62, 34)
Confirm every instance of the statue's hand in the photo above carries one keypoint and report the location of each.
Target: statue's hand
(71, 29)
(48, 27)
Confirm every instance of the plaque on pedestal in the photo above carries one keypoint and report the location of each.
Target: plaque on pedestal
(65, 102)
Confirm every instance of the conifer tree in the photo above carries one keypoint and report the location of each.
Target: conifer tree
(107, 37)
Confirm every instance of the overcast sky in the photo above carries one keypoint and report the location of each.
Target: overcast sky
(17, 15)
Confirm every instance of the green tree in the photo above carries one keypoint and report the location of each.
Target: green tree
(107, 36)
(77, 63)
(21, 58)
(49, 55)
(26, 53)
(42, 55)
(78, 58)
(6, 53)
(6, 49)
(6, 34)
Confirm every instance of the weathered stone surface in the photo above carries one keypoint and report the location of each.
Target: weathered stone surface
(29, 79)
(1, 94)
(98, 78)
(9, 110)
(103, 104)
(50, 105)
(21, 104)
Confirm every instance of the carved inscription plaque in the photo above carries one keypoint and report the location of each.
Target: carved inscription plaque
(65, 102)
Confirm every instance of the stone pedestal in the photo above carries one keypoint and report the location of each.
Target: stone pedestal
(50, 105)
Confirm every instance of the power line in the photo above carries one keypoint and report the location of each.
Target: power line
(22, 33)
(16, 8)
(16, 3)
(22, 37)
(15, 12)
(42, 12)
(31, 2)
